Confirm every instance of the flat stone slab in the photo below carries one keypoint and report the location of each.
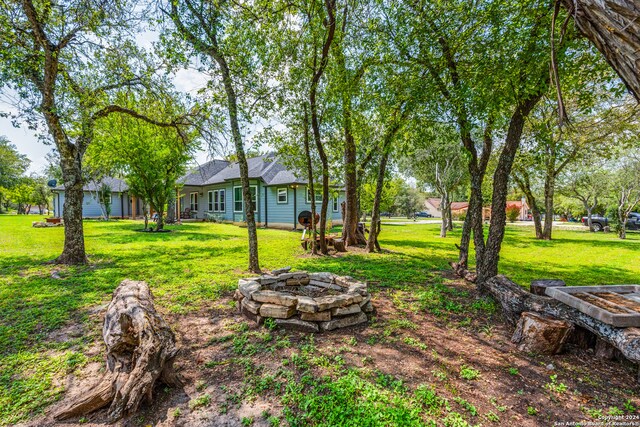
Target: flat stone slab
(297, 281)
(281, 270)
(298, 325)
(276, 311)
(343, 311)
(326, 285)
(251, 316)
(321, 316)
(273, 297)
(251, 306)
(325, 303)
(307, 305)
(343, 322)
(248, 288)
(322, 277)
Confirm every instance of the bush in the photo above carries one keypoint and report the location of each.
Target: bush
(513, 212)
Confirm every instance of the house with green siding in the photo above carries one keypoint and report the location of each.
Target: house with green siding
(213, 190)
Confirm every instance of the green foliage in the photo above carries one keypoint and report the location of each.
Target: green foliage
(200, 401)
(554, 386)
(513, 212)
(13, 165)
(469, 373)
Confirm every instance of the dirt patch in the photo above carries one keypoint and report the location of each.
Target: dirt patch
(464, 352)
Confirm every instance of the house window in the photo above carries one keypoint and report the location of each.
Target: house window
(193, 197)
(221, 206)
(282, 195)
(318, 196)
(237, 198)
(216, 201)
(335, 204)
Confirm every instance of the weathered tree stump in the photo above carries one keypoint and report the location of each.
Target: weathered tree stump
(140, 350)
(605, 351)
(540, 334)
(339, 246)
(538, 287)
(515, 300)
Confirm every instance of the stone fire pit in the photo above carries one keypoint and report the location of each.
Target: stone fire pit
(310, 302)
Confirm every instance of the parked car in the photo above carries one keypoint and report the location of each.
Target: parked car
(600, 222)
(423, 214)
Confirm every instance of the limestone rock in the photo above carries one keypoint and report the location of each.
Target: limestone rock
(249, 315)
(300, 275)
(274, 297)
(325, 285)
(368, 307)
(248, 288)
(268, 279)
(276, 311)
(297, 281)
(307, 305)
(343, 322)
(284, 276)
(237, 295)
(358, 288)
(321, 316)
(344, 281)
(251, 306)
(322, 277)
(298, 325)
(343, 311)
(281, 270)
(325, 303)
(365, 300)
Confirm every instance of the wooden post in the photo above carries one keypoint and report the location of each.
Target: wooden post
(133, 207)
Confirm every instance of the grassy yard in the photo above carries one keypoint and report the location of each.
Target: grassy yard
(196, 267)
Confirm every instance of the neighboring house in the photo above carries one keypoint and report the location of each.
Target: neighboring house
(432, 205)
(522, 205)
(120, 200)
(214, 190)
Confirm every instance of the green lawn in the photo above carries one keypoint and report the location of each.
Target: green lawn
(193, 266)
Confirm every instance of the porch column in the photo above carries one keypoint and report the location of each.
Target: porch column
(178, 206)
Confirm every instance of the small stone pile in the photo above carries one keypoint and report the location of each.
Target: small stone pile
(309, 302)
(41, 224)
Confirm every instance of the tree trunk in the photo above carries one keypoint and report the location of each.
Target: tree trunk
(549, 191)
(140, 350)
(307, 152)
(444, 207)
(449, 217)
(614, 28)
(372, 243)
(330, 6)
(232, 101)
(73, 252)
(524, 183)
(488, 267)
(541, 334)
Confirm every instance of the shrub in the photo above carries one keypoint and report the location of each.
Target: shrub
(513, 212)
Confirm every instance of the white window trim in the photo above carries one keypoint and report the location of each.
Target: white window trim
(222, 206)
(210, 200)
(191, 201)
(286, 196)
(234, 199)
(335, 205)
(317, 194)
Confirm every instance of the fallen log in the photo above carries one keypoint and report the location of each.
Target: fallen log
(515, 300)
(140, 350)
